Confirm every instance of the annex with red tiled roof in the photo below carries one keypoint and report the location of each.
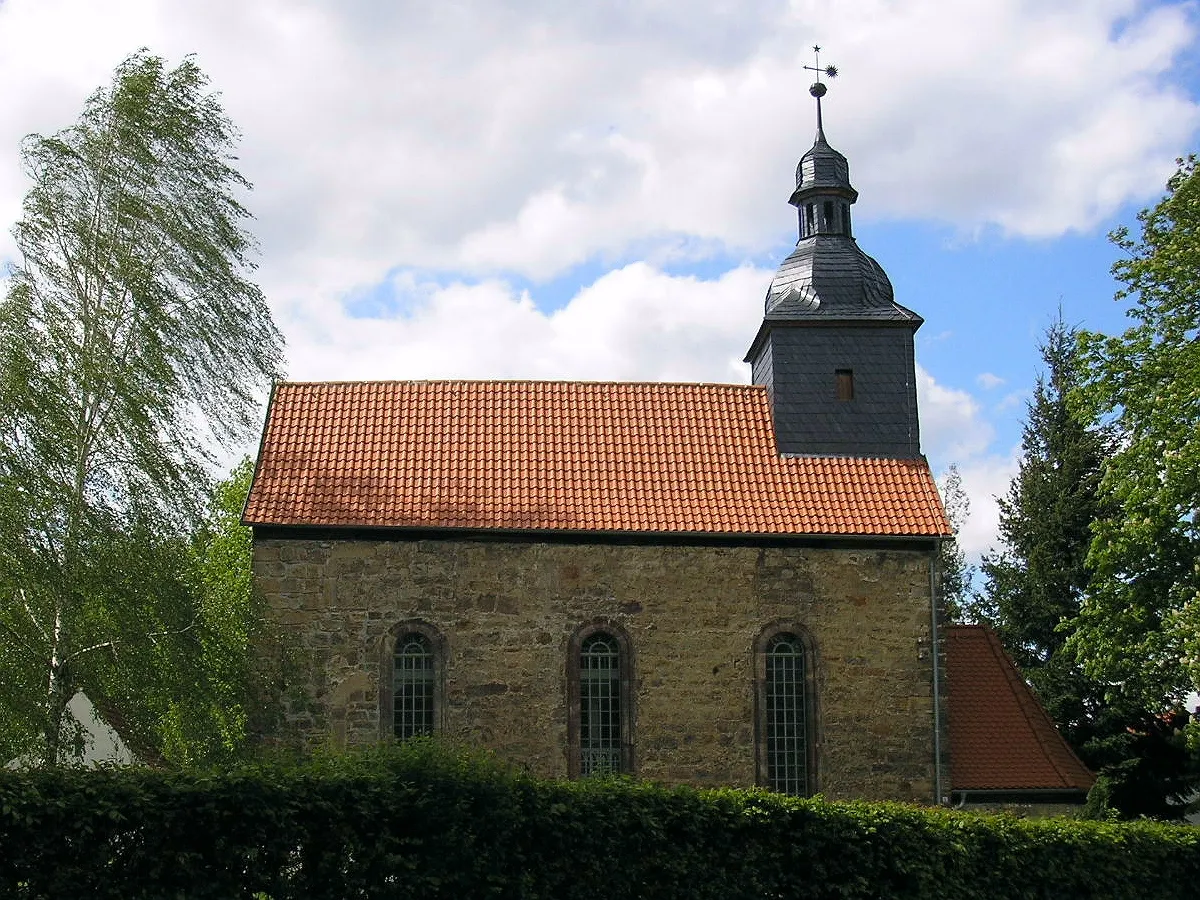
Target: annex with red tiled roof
(1002, 740)
(567, 456)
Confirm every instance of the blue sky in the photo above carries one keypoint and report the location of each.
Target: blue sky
(598, 190)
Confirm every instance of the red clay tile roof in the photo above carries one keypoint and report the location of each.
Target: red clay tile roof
(566, 456)
(1001, 737)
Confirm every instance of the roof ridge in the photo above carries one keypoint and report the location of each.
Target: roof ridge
(556, 381)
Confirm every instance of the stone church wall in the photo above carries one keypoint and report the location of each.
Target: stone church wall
(507, 610)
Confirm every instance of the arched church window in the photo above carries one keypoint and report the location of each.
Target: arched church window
(411, 681)
(786, 751)
(599, 705)
(412, 704)
(600, 702)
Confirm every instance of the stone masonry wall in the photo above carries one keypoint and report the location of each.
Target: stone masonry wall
(507, 609)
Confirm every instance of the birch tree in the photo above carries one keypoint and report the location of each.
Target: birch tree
(957, 573)
(132, 346)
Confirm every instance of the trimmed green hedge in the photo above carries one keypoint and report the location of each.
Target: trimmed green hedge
(417, 821)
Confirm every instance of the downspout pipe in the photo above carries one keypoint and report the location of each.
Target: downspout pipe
(934, 645)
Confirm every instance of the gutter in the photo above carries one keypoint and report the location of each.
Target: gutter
(1019, 795)
(934, 652)
(861, 541)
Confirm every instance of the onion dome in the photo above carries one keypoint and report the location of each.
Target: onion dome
(822, 169)
(835, 350)
(828, 275)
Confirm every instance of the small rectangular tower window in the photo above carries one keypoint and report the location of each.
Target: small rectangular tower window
(845, 384)
(830, 224)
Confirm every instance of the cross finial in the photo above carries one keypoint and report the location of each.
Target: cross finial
(817, 89)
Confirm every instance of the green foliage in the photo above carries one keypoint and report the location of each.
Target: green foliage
(1146, 768)
(957, 574)
(208, 678)
(413, 820)
(131, 343)
(1035, 584)
(1139, 628)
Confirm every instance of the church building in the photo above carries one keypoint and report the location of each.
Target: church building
(709, 584)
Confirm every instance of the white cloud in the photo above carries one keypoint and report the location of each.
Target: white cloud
(952, 426)
(988, 381)
(633, 323)
(955, 432)
(438, 153)
(527, 137)
(984, 478)
(1012, 400)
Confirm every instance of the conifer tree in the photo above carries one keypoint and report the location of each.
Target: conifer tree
(1035, 584)
(1039, 584)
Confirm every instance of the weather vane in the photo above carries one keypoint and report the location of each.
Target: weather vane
(818, 90)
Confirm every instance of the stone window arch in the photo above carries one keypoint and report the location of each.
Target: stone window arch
(785, 706)
(600, 711)
(412, 681)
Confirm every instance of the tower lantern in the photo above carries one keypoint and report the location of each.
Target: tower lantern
(835, 350)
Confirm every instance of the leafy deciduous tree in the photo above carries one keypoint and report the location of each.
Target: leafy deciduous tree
(1139, 628)
(229, 626)
(957, 574)
(131, 342)
(1037, 585)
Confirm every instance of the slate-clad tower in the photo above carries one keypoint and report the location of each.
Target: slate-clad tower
(835, 350)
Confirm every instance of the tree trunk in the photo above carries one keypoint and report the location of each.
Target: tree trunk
(56, 693)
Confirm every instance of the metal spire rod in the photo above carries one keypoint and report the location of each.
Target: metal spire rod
(817, 89)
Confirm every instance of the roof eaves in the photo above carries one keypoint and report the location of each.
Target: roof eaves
(1018, 795)
(382, 532)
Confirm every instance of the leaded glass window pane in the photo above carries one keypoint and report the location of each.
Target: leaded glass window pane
(787, 732)
(412, 687)
(599, 705)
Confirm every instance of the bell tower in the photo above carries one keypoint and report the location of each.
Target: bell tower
(835, 350)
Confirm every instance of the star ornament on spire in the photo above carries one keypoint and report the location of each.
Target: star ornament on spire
(818, 89)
